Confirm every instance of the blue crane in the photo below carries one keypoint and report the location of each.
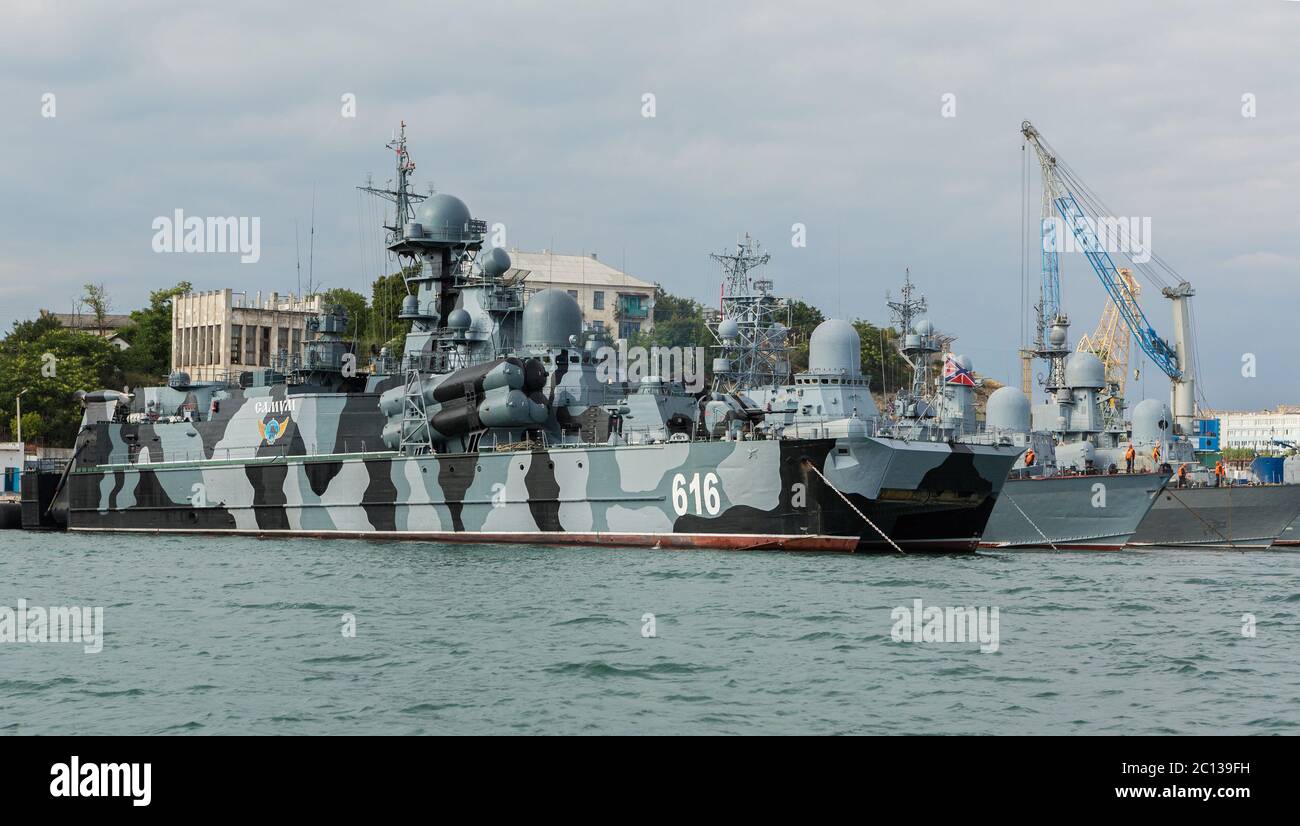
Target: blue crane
(1061, 195)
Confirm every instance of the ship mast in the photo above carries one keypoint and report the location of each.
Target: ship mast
(752, 324)
(402, 197)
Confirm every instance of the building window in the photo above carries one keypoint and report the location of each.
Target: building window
(236, 342)
(282, 344)
(627, 329)
(250, 344)
(296, 352)
(264, 358)
(598, 300)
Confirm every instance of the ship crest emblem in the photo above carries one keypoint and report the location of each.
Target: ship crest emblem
(272, 429)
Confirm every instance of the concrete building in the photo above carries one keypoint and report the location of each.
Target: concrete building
(87, 323)
(610, 299)
(220, 333)
(1256, 430)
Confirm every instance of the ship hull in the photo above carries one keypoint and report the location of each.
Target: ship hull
(1071, 512)
(1237, 517)
(787, 494)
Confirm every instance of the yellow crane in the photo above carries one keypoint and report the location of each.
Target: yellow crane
(1111, 342)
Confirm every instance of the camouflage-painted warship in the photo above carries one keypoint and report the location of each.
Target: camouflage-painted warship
(499, 422)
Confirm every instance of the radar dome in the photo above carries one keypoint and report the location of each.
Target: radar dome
(1151, 420)
(1057, 336)
(459, 319)
(835, 348)
(410, 307)
(923, 328)
(495, 262)
(551, 318)
(1008, 409)
(443, 216)
(1084, 370)
(728, 329)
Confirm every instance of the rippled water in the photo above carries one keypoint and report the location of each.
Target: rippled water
(227, 635)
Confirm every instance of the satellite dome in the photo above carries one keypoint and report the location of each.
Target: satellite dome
(443, 216)
(410, 307)
(494, 262)
(964, 362)
(551, 318)
(835, 348)
(459, 319)
(923, 328)
(1151, 420)
(1008, 409)
(1084, 370)
(728, 329)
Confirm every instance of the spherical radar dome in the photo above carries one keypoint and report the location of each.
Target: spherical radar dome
(728, 329)
(443, 214)
(459, 319)
(494, 262)
(550, 318)
(923, 327)
(1084, 370)
(1008, 409)
(835, 348)
(1151, 420)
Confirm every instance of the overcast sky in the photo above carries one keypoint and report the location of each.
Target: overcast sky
(766, 114)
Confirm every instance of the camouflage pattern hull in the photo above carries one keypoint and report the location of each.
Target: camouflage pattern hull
(760, 494)
(1238, 517)
(1071, 512)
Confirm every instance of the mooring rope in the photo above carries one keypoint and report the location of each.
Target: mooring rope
(891, 542)
(1203, 522)
(1027, 519)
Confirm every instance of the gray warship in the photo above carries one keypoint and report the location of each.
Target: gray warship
(1062, 499)
(1159, 434)
(502, 421)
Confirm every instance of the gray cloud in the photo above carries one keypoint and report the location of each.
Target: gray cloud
(825, 114)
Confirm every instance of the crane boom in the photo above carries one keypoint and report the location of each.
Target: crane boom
(1063, 190)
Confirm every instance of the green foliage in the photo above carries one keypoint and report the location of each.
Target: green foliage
(150, 334)
(882, 343)
(1238, 454)
(355, 305)
(52, 364)
(386, 296)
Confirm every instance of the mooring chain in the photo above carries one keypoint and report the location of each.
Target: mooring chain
(891, 542)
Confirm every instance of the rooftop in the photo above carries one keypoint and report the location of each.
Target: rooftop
(87, 321)
(550, 267)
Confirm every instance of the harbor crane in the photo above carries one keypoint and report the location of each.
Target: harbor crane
(1070, 206)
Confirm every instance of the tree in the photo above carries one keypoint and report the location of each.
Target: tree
(386, 296)
(96, 298)
(150, 335)
(354, 303)
(52, 363)
(880, 357)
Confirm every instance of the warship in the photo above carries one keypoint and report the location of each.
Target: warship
(502, 420)
(1086, 407)
(1057, 496)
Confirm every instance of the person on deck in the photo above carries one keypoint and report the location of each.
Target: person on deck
(1129, 456)
(1219, 472)
(1182, 475)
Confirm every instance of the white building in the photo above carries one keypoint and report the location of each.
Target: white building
(1256, 430)
(610, 299)
(218, 333)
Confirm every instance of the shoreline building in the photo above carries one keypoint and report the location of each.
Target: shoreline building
(83, 322)
(218, 333)
(611, 300)
(1255, 430)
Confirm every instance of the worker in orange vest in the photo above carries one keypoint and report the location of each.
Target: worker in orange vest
(1030, 456)
(1219, 472)
(1129, 455)
(1182, 475)
(1155, 455)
